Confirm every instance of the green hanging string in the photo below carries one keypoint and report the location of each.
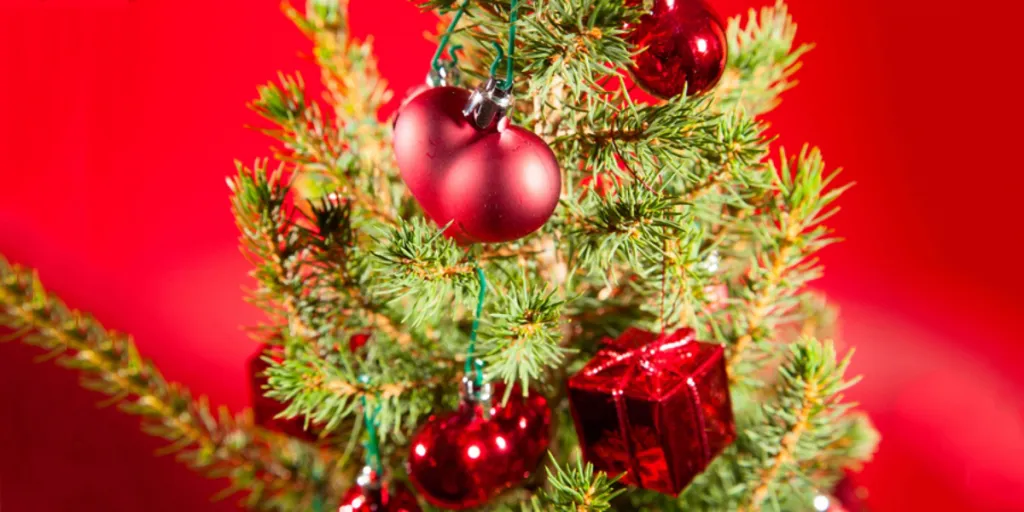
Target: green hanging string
(512, 18)
(436, 61)
(373, 459)
(472, 365)
(497, 60)
(509, 54)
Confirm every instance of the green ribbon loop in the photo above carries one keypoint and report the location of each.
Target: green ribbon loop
(509, 54)
(435, 63)
(472, 364)
(373, 459)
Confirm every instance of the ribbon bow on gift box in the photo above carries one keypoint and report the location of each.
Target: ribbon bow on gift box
(645, 364)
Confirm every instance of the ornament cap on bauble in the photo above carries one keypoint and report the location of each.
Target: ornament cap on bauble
(445, 74)
(488, 105)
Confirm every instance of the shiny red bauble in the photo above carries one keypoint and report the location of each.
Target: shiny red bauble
(266, 409)
(463, 458)
(493, 185)
(390, 497)
(683, 48)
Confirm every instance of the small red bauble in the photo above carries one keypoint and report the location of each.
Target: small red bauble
(684, 48)
(463, 458)
(388, 497)
(493, 185)
(358, 341)
(266, 409)
(653, 407)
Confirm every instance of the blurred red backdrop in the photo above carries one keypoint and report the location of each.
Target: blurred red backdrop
(120, 119)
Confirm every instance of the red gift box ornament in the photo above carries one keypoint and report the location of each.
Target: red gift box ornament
(653, 407)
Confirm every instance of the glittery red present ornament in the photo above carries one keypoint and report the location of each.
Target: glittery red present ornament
(266, 409)
(653, 407)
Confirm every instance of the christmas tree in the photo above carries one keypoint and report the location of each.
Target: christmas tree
(535, 287)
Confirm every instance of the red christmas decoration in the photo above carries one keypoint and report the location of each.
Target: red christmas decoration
(463, 458)
(265, 409)
(685, 48)
(604, 184)
(849, 495)
(493, 184)
(386, 497)
(358, 341)
(654, 407)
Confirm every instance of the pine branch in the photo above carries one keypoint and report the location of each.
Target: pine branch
(344, 151)
(793, 442)
(313, 274)
(570, 42)
(400, 386)
(578, 489)
(277, 473)
(524, 335)
(763, 58)
(801, 423)
(426, 269)
(630, 228)
(790, 233)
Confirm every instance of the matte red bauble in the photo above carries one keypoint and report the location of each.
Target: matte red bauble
(464, 458)
(494, 185)
(266, 409)
(389, 497)
(685, 48)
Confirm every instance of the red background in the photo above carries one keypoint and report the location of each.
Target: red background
(119, 121)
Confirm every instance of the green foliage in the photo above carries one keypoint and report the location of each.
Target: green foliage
(578, 488)
(762, 60)
(785, 446)
(784, 235)
(274, 472)
(426, 269)
(523, 339)
(662, 203)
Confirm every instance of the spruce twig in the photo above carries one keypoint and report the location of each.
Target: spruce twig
(271, 468)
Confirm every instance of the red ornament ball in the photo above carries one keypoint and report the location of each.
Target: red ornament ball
(389, 497)
(463, 458)
(685, 48)
(494, 185)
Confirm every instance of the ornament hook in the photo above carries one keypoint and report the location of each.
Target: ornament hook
(446, 72)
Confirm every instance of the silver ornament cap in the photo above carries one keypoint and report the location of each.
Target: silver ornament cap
(445, 74)
(473, 393)
(488, 105)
